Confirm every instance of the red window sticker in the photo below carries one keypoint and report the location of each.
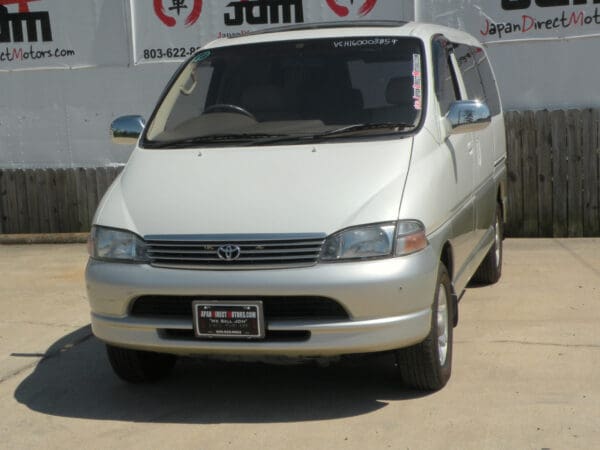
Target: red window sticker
(417, 82)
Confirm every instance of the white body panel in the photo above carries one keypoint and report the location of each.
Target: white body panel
(291, 189)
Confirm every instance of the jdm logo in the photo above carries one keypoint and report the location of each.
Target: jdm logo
(191, 9)
(343, 11)
(15, 26)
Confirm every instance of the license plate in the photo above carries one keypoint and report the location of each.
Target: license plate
(228, 320)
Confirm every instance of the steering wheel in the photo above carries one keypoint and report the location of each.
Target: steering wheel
(224, 107)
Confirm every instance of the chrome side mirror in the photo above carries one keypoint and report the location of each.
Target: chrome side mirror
(126, 130)
(468, 116)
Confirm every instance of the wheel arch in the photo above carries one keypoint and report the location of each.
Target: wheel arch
(447, 258)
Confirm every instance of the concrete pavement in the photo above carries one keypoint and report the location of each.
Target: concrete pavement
(526, 372)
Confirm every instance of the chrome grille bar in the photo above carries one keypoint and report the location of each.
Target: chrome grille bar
(270, 252)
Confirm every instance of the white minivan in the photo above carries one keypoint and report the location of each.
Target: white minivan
(306, 192)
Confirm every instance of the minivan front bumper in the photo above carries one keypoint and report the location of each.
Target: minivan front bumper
(388, 302)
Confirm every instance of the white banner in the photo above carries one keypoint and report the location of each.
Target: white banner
(171, 30)
(38, 34)
(494, 21)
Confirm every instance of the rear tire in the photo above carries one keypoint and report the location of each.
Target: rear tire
(135, 366)
(490, 270)
(427, 366)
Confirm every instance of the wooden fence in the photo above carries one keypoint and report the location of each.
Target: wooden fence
(553, 186)
(51, 200)
(554, 178)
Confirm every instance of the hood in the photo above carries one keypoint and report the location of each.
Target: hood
(254, 190)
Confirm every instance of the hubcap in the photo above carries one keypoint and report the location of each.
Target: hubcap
(442, 324)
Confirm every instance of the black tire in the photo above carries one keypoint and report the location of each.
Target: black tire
(135, 366)
(424, 366)
(490, 270)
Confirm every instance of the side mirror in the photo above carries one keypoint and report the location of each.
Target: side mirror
(126, 130)
(467, 116)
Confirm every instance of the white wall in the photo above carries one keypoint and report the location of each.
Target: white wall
(61, 118)
(553, 68)
(558, 74)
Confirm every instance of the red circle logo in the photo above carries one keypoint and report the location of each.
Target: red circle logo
(344, 11)
(169, 15)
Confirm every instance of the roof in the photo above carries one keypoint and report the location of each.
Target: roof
(346, 29)
(327, 25)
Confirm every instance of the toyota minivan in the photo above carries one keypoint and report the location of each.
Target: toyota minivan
(307, 192)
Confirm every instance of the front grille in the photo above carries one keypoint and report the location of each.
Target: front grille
(252, 254)
(275, 308)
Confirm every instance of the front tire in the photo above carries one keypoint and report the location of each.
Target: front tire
(427, 366)
(136, 366)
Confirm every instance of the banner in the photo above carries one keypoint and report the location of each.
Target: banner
(497, 21)
(43, 34)
(171, 30)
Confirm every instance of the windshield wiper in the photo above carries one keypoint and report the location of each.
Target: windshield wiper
(265, 138)
(338, 132)
(376, 126)
(212, 139)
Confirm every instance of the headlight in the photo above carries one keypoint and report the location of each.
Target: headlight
(370, 241)
(376, 241)
(116, 245)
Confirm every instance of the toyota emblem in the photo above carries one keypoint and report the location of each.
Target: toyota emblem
(229, 252)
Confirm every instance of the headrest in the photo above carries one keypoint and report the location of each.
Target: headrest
(263, 98)
(400, 91)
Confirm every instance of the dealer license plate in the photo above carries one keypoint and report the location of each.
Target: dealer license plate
(228, 320)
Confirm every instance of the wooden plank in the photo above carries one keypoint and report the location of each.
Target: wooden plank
(82, 202)
(559, 173)
(102, 182)
(71, 200)
(544, 169)
(515, 186)
(12, 205)
(575, 173)
(33, 196)
(3, 201)
(596, 149)
(530, 175)
(41, 179)
(591, 183)
(52, 199)
(92, 195)
(62, 207)
(21, 194)
(596, 146)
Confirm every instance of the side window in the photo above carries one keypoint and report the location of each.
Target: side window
(489, 83)
(468, 68)
(446, 86)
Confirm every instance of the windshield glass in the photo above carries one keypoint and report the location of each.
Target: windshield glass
(318, 88)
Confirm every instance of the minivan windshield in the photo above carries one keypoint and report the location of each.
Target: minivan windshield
(292, 91)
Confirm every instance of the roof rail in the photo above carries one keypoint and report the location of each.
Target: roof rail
(325, 25)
